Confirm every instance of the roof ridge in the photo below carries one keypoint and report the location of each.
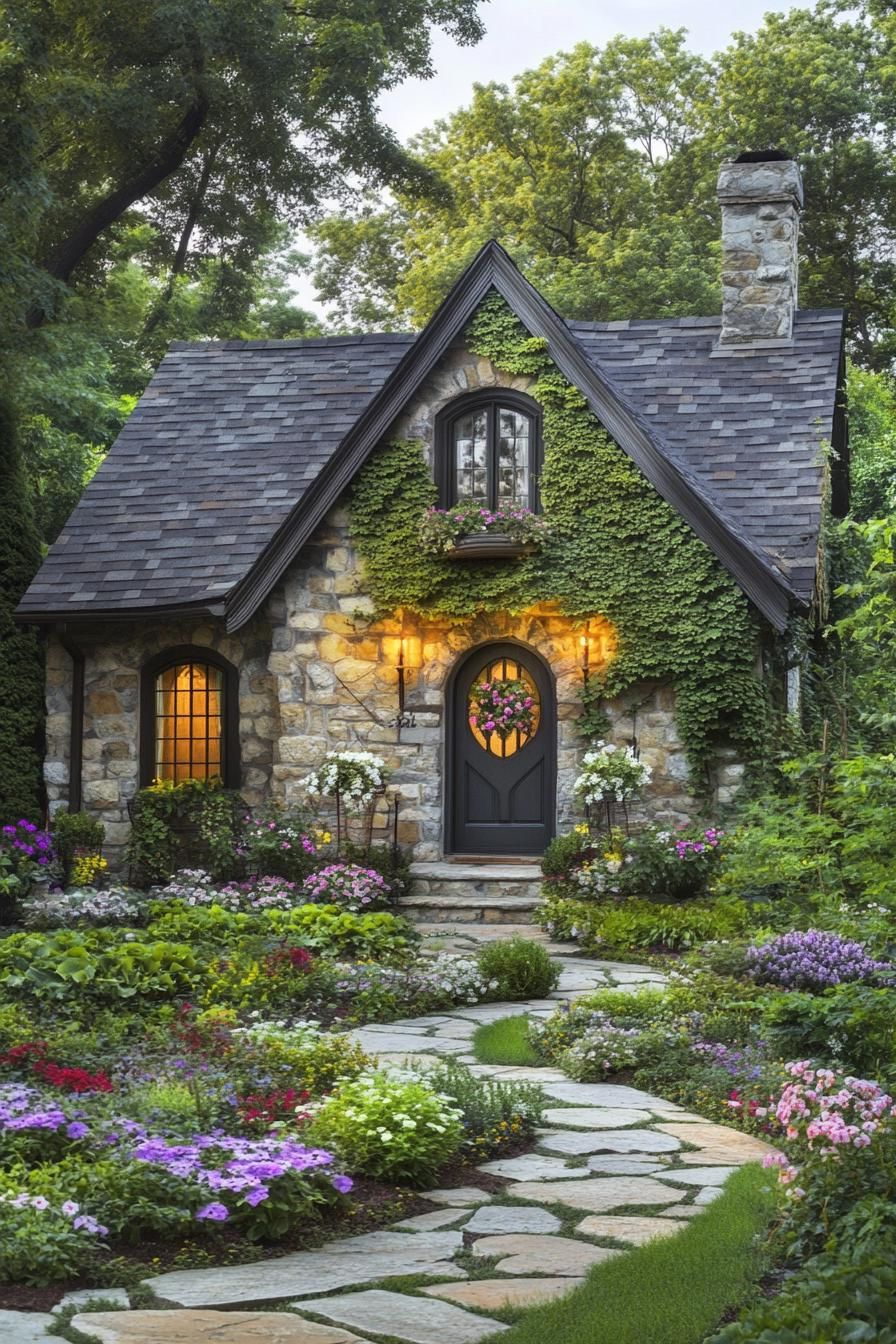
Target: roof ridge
(295, 342)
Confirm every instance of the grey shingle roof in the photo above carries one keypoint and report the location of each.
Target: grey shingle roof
(223, 441)
(747, 424)
(228, 437)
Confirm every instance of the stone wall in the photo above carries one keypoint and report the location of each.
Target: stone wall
(337, 678)
(337, 683)
(316, 674)
(113, 658)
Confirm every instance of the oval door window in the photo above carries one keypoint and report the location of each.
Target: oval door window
(503, 707)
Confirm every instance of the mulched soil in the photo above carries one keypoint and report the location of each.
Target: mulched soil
(373, 1205)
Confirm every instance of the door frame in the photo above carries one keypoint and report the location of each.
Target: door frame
(451, 738)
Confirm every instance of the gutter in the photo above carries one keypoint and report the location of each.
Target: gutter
(76, 738)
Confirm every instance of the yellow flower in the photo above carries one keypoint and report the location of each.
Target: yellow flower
(86, 868)
(581, 829)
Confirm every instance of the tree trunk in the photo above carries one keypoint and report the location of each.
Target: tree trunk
(183, 247)
(63, 259)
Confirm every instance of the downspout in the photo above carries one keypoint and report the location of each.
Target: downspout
(76, 740)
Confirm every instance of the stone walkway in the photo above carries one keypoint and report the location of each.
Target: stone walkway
(614, 1167)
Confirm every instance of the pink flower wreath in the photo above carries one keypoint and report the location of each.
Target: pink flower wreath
(502, 707)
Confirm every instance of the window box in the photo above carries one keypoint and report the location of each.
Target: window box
(490, 546)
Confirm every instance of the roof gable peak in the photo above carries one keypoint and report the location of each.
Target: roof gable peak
(493, 269)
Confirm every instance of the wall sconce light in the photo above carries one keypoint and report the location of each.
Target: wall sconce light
(407, 650)
(585, 652)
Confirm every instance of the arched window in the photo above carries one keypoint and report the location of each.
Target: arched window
(189, 717)
(489, 451)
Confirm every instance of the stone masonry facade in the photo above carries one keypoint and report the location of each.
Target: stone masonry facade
(317, 674)
(113, 659)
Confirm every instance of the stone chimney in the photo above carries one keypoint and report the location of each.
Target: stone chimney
(761, 195)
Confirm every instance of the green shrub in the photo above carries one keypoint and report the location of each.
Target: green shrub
(383, 1126)
(22, 666)
(845, 1293)
(851, 1024)
(303, 1057)
(74, 831)
(641, 925)
(646, 1006)
(193, 824)
(40, 1244)
(495, 1115)
(781, 850)
(133, 1199)
(565, 852)
(590, 1043)
(518, 968)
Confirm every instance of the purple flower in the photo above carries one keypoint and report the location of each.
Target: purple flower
(217, 1212)
(813, 960)
(342, 1183)
(77, 1129)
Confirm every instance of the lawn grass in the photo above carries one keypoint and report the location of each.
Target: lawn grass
(504, 1042)
(673, 1291)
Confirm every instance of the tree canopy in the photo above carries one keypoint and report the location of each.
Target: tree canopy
(597, 171)
(155, 159)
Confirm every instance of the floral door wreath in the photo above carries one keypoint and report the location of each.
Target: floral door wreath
(502, 707)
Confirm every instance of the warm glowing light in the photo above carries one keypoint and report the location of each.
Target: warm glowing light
(410, 651)
(188, 722)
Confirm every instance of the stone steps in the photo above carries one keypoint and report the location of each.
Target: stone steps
(472, 893)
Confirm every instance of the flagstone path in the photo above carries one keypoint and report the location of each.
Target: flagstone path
(604, 1148)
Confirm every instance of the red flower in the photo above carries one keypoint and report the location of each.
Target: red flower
(298, 958)
(260, 1110)
(73, 1080)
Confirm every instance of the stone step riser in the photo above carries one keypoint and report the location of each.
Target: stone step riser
(484, 890)
(464, 914)
(472, 893)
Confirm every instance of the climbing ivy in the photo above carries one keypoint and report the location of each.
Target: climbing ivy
(617, 550)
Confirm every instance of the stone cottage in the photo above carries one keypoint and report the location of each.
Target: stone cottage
(207, 609)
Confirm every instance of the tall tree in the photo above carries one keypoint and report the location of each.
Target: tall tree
(597, 171)
(206, 114)
(567, 170)
(21, 666)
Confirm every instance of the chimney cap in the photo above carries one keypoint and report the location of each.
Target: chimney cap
(764, 156)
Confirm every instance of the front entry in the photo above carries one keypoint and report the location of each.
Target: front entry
(501, 785)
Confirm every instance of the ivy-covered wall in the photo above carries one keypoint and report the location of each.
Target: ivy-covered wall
(618, 552)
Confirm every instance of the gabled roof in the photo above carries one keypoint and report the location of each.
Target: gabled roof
(237, 450)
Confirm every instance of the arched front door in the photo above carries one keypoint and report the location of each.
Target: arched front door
(500, 788)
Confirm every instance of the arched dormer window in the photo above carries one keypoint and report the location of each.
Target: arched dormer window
(489, 450)
(189, 703)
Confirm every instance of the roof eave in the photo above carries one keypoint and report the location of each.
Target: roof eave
(84, 615)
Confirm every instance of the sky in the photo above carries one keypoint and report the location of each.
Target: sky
(521, 33)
